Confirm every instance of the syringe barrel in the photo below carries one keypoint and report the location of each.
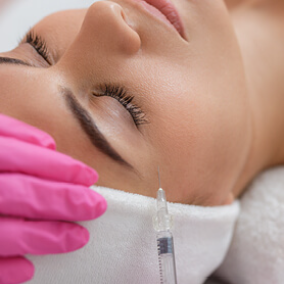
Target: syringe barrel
(166, 257)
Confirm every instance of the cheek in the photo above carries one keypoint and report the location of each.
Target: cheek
(201, 140)
(213, 46)
(199, 161)
(204, 19)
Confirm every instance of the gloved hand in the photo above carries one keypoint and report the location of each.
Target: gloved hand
(41, 191)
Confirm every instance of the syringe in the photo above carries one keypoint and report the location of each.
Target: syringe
(162, 224)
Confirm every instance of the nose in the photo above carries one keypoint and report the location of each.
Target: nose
(107, 27)
(106, 39)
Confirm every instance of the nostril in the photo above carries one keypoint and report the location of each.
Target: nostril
(133, 42)
(123, 15)
(126, 19)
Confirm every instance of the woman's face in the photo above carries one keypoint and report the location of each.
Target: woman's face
(188, 114)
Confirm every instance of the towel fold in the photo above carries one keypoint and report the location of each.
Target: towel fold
(123, 249)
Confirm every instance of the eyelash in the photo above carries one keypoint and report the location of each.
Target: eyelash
(39, 44)
(120, 94)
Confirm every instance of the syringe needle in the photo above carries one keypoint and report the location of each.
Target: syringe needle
(159, 177)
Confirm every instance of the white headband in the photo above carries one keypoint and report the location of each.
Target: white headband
(123, 249)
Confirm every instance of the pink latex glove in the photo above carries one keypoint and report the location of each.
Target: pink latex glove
(41, 192)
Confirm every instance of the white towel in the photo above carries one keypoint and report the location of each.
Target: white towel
(123, 249)
(256, 255)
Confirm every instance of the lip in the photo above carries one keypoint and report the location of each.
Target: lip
(166, 11)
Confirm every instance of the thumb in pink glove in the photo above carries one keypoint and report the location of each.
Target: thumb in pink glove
(41, 192)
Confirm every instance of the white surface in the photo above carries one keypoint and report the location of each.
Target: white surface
(256, 255)
(18, 16)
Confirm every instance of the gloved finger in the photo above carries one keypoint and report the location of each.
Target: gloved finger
(30, 197)
(20, 237)
(18, 156)
(10, 127)
(14, 270)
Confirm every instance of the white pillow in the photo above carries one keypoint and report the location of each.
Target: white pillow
(256, 254)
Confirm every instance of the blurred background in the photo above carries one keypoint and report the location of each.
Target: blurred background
(18, 16)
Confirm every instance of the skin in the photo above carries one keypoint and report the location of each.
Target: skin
(203, 102)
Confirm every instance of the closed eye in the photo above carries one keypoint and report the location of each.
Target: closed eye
(39, 44)
(121, 95)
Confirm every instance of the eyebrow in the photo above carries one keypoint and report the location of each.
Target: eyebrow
(90, 128)
(83, 117)
(8, 60)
